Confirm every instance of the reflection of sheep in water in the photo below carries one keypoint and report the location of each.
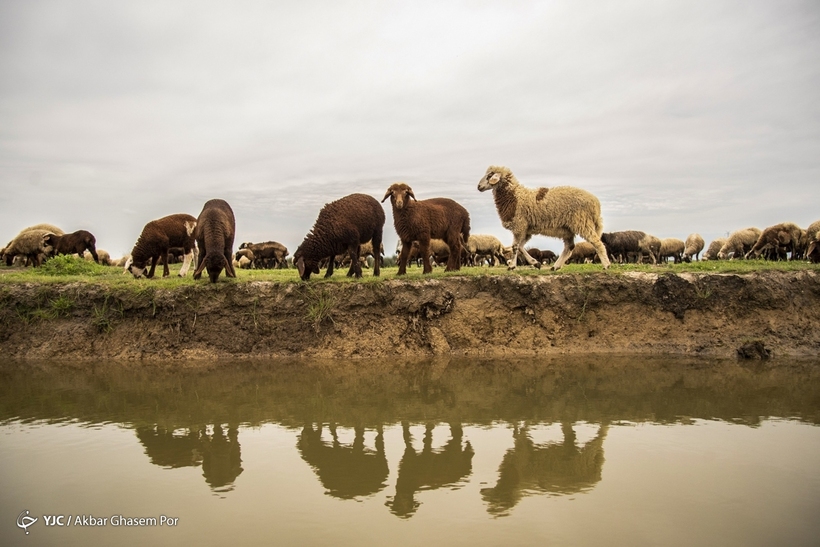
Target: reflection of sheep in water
(561, 211)
(553, 468)
(346, 472)
(219, 454)
(429, 469)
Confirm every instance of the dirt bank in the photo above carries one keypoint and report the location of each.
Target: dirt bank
(697, 314)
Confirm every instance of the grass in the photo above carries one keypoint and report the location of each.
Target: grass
(62, 270)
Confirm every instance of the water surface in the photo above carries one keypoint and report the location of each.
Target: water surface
(576, 451)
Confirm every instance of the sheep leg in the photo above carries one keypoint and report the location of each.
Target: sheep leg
(164, 259)
(330, 264)
(186, 263)
(424, 252)
(403, 256)
(518, 249)
(569, 245)
(600, 249)
(355, 267)
(153, 267)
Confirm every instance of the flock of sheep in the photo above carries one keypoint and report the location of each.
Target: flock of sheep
(437, 228)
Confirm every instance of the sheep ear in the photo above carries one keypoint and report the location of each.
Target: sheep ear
(410, 193)
(388, 194)
(300, 266)
(494, 179)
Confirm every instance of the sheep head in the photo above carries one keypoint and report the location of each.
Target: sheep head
(399, 194)
(304, 266)
(493, 176)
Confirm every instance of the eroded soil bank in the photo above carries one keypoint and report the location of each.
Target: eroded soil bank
(695, 314)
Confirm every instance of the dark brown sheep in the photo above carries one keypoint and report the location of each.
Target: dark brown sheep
(74, 243)
(775, 241)
(342, 226)
(157, 237)
(215, 230)
(414, 220)
(627, 244)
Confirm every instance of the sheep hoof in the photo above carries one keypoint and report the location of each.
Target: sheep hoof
(537, 265)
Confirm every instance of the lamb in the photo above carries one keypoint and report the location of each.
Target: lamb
(671, 247)
(562, 212)
(484, 244)
(269, 254)
(421, 221)
(156, 238)
(739, 243)
(780, 237)
(630, 243)
(244, 258)
(813, 242)
(692, 247)
(74, 243)
(31, 244)
(342, 225)
(214, 233)
(714, 249)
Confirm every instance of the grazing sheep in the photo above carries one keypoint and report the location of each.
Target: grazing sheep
(102, 254)
(342, 225)
(671, 247)
(714, 249)
(692, 247)
(244, 259)
(813, 242)
(421, 221)
(561, 212)
(74, 243)
(32, 245)
(582, 253)
(784, 237)
(269, 254)
(544, 257)
(214, 233)
(739, 243)
(156, 238)
(484, 244)
(621, 246)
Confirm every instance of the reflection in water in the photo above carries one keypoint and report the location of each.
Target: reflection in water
(429, 469)
(167, 410)
(218, 452)
(552, 468)
(346, 472)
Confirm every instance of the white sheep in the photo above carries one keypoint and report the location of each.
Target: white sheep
(693, 246)
(561, 212)
(484, 244)
(714, 249)
(673, 247)
(30, 244)
(813, 242)
(739, 243)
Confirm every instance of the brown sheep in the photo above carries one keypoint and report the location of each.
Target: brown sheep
(582, 253)
(269, 254)
(783, 237)
(342, 225)
(813, 242)
(215, 230)
(714, 248)
(156, 238)
(74, 243)
(421, 221)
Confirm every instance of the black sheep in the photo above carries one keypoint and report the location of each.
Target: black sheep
(342, 226)
(421, 221)
(77, 242)
(157, 237)
(215, 230)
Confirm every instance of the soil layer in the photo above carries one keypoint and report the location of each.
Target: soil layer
(722, 315)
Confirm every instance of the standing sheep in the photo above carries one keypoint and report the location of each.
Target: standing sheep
(269, 254)
(671, 247)
(714, 249)
(582, 253)
(342, 225)
(692, 247)
(813, 242)
(783, 237)
(421, 221)
(484, 244)
(561, 212)
(74, 243)
(739, 243)
(626, 244)
(215, 230)
(31, 244)
(156, 238)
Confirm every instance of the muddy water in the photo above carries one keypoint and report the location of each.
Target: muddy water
(576, 451)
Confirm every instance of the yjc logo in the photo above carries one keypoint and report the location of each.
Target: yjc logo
(24, 521)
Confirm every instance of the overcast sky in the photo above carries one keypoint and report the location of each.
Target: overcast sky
(689, 116)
